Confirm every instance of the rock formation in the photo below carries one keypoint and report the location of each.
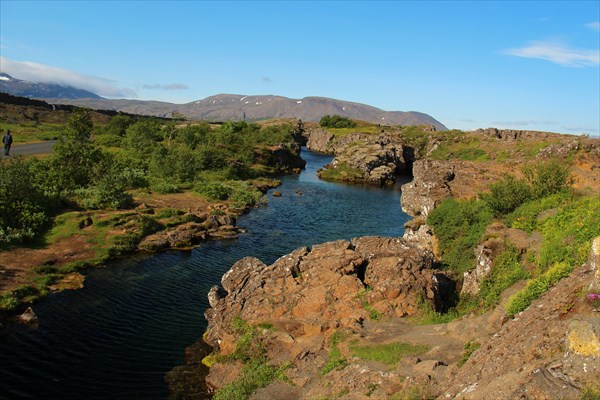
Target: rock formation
(310, 294)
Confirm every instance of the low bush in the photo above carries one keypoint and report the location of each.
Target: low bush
(469, 349)
(336, 121)
(506, 195)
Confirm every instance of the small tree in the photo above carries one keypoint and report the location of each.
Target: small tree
(75, 154)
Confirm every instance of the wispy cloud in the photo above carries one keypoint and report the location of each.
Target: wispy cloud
(581, 129)
(594, 26)
(523, 122)
(40, 73)
(558, 53)
(170, 86)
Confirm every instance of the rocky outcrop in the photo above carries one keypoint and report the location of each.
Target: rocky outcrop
(309, 294)
(430, 185)
(366, 158)
(319, 140)
(190, 234)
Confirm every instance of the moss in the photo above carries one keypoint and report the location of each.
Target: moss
(389, 354)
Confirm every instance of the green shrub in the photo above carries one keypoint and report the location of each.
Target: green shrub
(548, 178)
(163, 187)
(213, 190)
(27, 199)
(507, 194)
(109, 140)
(459, 225)
(8, 301)
(336, 121)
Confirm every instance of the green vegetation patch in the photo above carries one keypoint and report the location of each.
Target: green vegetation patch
(389, 354)
(335, 360)
(336, 121)
(566, 241)
(255, 373)
(469, 349)
(374, 315)
(459, 225)
(341, 172)
(507, 270)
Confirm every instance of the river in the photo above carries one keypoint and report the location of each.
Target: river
(118, 336)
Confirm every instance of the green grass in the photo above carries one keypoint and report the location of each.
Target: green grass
(29, 132)
(342, 172)
(335, 360)
(389, 354)
(255, 373)
(340, 132)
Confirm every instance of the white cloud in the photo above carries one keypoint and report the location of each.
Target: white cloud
(170, 86)
(595, 26)
(558, 53)
(40, 73)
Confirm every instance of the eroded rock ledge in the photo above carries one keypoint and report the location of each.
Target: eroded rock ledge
(309, 294)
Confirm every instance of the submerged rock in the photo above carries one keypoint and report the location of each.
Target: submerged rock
(28, 316)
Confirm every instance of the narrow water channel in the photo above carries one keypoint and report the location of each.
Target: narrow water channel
(117, 337)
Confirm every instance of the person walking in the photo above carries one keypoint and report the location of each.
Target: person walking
(7, 140)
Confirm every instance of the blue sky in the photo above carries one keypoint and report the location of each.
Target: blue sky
(521, 65)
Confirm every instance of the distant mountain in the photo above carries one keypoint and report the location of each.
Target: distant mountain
(18, 87)
(228, 107)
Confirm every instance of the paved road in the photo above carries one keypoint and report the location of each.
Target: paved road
(29, 149)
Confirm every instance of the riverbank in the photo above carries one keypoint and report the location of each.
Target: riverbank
(85, 239)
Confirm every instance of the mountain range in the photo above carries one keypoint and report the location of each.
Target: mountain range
(221, 107)
(18, 87)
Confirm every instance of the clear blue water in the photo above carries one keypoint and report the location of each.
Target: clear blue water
(117, 337)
